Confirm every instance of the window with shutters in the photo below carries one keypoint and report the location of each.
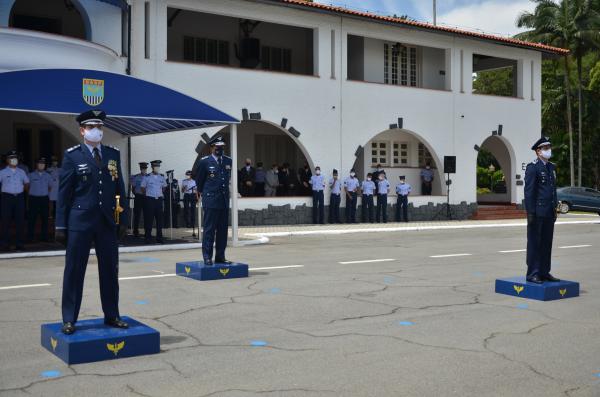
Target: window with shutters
(379, 153)
(400, 154)
(201, 50)
(277, 59)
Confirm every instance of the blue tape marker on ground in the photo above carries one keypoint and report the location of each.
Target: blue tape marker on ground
(523, 306)
(597, 375)
(50, 374)
(405, 323)
(388, 280)
(258, 343)
(275, 290)
(141, 302)
(150, 260)
(477, 274)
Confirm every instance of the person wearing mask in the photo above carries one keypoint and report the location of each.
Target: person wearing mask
(54, 172)
(351, 185)
(378, 171)
(426, 180)
(304, 175)
(88, 212)
(383, 188)
(212, 178)
(368, 189)
(284, 181)
(335, 198)
(271, 181)
(259, 180)
(40, 185)
(246, 176)
(541, 205)
(190, 197)
(292, 181)
(153, 187)
(135, 183)
(15, 183)
(317, 182)
(403, 189)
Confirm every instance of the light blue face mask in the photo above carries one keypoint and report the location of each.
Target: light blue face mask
(546, 154)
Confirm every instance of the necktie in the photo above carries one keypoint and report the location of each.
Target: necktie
(220, 161)
(97, 157)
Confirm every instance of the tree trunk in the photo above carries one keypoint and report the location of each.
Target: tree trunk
(580, 122)
(569, 121)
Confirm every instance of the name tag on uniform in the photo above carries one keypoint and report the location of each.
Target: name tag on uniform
(228, 167)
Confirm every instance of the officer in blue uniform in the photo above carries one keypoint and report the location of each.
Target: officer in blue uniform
(541, 203)
(383, 188)
(212, 179)
(40, 184)
(317, 183)
(153, 187)
(86, 213)
(368, 189)
(15, 183)
(335, 197)
(351, 185)
(403, 189)
(190, 197)
(135, 181)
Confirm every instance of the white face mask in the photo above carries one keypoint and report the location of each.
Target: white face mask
(13, 162)
(156, 170)
(381, 178)
(368, 178)
(546, 154)
(318, 172)
(428, 167)
(93, 135)
(352, 174)
(402, 182)
(41, 167)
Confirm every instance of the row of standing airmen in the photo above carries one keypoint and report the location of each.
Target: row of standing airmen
(375, 185)
(150, 191)
(39, 187)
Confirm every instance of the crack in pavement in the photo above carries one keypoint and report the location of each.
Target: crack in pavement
(268, 391)
(137, 393)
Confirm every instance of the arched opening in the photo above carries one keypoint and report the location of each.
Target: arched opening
(268, 144)
(494, 172)
(401, 152)
(64, 17)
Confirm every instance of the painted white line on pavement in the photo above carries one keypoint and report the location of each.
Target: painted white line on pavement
(275, 267)
(25, 286)
(576, 246)
(449, 255)
(366, 261)
(153, 276)
(509, 251)
(406, 229)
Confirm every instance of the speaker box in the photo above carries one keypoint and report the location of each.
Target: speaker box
(449, 164)
(249, 52)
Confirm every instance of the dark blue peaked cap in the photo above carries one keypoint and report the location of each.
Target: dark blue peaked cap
(541, 142)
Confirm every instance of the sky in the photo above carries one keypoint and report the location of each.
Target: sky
(490, 16)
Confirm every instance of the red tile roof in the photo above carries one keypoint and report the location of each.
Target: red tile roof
(424, 25)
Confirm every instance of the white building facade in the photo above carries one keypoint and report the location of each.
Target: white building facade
(310, 83)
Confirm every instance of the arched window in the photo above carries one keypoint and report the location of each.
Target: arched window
(51, 16)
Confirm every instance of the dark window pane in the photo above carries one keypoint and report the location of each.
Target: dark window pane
(266, 57)
(200, 50)
(188, 48)
(287, 60)
(211, 51)
(223, 53)
(276, 58)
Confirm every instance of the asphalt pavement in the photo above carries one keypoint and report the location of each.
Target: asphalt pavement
(394, 313)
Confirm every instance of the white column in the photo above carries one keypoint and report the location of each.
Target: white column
(234, 183)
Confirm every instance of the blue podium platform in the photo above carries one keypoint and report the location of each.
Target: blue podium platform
(518, 286)
(198, 271)
(94, 341)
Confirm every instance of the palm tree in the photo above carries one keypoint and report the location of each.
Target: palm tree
(550, 25)
(572, 24)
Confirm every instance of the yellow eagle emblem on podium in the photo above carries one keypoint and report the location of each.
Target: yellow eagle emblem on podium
(115, 347)
(224, 272)
(187, 270)
(518, 288)
(562, 292)
(53, 343)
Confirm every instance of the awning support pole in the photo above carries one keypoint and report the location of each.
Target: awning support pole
(234, 184)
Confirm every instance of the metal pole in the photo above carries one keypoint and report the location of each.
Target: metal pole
(199, 217)
(171, 205)
(234, 183)
(434, 13)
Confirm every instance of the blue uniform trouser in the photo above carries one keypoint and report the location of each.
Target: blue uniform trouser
(382, 207)
(214, 221)
(351, 207)
(138, 211)
(153, 210)
(367, 207)
(38, 206)
(12, 206)
(318, 210)
(334, 208)
(402, 208)
(540, 233)
(104, 237)
(189, 209)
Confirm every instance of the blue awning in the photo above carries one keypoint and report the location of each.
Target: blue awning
(133, 106)
(118, 3)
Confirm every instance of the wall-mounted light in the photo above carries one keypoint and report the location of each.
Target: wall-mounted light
(294, 132)
(283, 122)
(255, 116)
(476, 147)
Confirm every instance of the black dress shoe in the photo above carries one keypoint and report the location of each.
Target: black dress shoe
(551, 278)
(116, 322)
(208, 262)
(535, 279)
(68, 328)
(223, 261)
